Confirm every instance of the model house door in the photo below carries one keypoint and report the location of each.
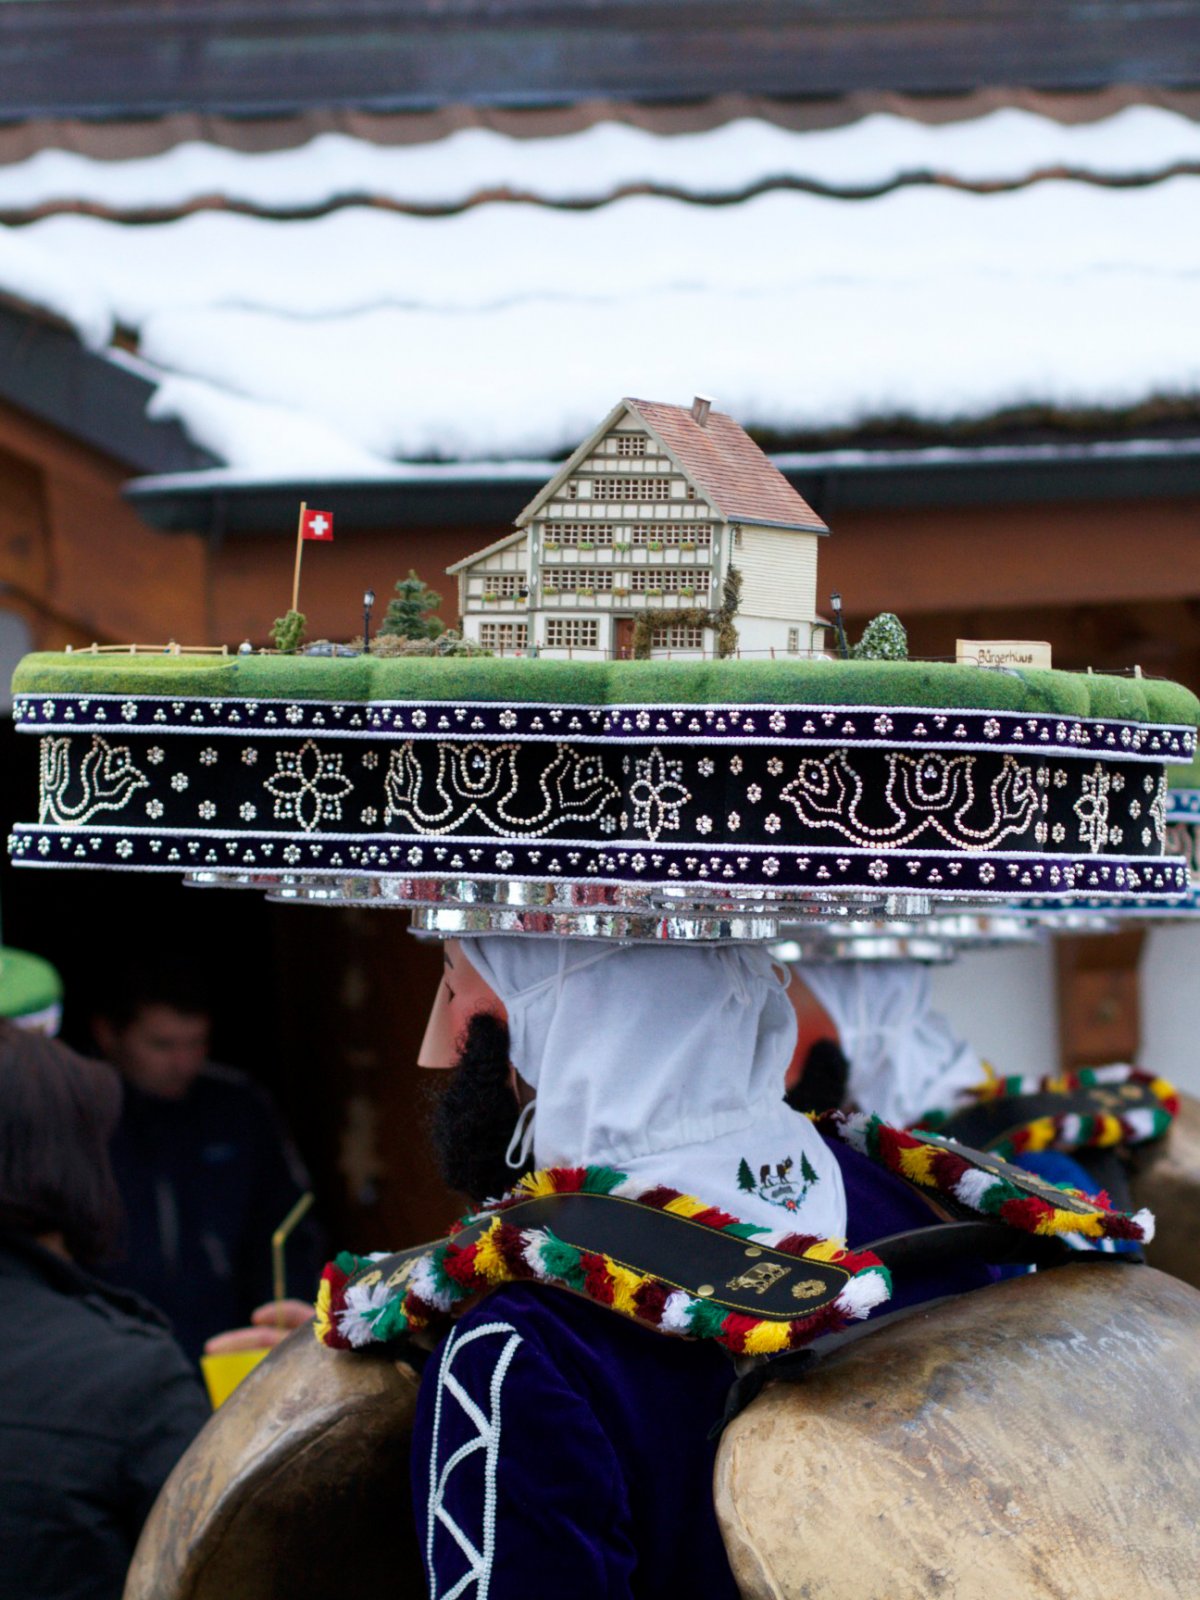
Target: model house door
(624, 638)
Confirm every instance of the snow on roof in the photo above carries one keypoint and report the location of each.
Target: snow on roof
(1007, 146)
(335, 345)
(54, 283)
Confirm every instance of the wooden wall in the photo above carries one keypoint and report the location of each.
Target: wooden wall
(76, 560)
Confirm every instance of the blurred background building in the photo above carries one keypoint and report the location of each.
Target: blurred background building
(397, 259)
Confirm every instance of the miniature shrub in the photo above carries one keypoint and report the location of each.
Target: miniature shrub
(884, 639)
(288, 631)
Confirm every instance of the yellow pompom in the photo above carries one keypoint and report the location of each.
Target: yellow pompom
(625, 1286)
(489, 1262)
(766, 1339)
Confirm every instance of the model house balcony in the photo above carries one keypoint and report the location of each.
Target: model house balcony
(623, 553)
(576, 554)
(576, 599)
(619, 599)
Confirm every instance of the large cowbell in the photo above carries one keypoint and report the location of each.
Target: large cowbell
(1038, 1438)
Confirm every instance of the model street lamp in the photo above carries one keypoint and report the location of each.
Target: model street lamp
(368, 604)
(835, 601)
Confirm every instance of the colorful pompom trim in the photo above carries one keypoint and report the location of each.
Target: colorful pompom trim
(1074, 1130)
(1022, 1201)
(357, 1308)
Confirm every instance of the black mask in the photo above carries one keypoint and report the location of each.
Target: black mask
(475, 1115)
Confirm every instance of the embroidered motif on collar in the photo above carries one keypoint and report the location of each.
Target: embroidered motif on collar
(782, 1185)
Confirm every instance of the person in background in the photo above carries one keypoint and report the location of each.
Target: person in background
(204, 1168)
(97, 1401)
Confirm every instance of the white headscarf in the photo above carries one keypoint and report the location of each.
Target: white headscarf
(905, 1059)
(668, 1063)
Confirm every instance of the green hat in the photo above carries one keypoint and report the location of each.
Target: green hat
(31, 991)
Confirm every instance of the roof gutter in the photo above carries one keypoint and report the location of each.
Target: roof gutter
(222, 503)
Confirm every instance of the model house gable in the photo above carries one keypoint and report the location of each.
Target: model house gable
(493, 587)
(638, 528)
(622, 486)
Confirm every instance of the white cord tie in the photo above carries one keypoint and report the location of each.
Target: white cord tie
(520, 1146)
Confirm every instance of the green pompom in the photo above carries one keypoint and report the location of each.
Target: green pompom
(704, 1320)
(392, 1321)
(601, 1180)
(561, 1261)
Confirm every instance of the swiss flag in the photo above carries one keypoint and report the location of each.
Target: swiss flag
(318, 525)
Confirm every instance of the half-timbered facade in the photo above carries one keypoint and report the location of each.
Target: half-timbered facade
(643, 523)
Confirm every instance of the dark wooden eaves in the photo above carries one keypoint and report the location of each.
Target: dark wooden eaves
(46, 372)
(111, 58)
(831, 483)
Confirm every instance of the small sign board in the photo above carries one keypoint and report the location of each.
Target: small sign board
(1003, 653)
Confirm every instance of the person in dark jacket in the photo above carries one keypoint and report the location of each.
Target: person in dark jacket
(97, 1402)
(205, 1171)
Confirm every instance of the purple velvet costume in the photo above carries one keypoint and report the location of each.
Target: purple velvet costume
(560, 1449)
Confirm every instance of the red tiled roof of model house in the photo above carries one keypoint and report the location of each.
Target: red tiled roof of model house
(727, 466)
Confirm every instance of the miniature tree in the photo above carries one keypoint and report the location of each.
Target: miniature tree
(884, 639)
(411, 614)
(288, 631)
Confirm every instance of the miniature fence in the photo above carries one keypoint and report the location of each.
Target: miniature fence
(169, 649)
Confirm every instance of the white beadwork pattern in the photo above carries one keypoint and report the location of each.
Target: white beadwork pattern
(308, 786)
(105, 781)
(931, 791)
(478, 1545)
(481, 780)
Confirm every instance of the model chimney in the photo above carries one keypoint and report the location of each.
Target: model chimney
(701, 406)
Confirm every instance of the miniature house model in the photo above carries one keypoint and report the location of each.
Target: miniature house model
(642, 524)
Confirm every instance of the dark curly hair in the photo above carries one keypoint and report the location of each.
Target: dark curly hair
(57, 1114)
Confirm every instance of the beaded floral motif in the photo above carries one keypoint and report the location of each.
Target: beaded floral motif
(482, 781)
(105, 780)
(1092, 809)
(658, 794)
(930, 792)
(308, 786)
(1158, 809)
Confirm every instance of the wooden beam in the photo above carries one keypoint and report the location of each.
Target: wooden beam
(146, 57)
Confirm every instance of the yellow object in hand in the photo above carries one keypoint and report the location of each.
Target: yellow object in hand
(223, 1373)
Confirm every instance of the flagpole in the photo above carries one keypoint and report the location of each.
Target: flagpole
(299, 552)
